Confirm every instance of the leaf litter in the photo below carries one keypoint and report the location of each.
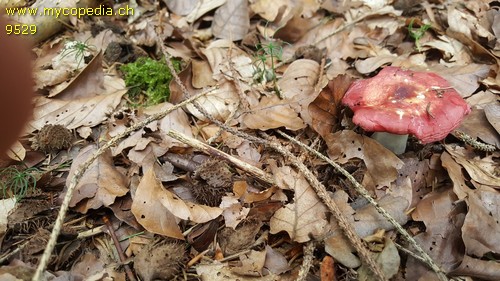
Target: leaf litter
(248, 211)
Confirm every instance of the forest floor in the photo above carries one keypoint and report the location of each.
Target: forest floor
(209, 140)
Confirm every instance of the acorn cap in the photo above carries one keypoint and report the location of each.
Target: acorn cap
(403, 102)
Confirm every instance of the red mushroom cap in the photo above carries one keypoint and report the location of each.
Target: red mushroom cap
(403, 102)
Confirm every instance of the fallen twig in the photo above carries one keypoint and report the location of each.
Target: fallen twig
(320, 190)
(364, 193)
(119, 249)
(256, 172)
(316, 185)
(84, 167)
(307, 261)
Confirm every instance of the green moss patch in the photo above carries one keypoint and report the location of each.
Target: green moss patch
(149, 77)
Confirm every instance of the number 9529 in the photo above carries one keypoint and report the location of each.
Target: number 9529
(20, 29)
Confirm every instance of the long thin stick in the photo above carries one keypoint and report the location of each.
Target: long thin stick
(363, 192)
(320, 190)
(317, 186)
(83, 168)
(258, 173)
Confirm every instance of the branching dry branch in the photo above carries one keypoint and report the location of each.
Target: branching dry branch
(363, 192)
(317, 186)
(83, 168)
(307, 261)
(256, 172)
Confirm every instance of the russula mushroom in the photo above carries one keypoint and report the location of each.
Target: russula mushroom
(16, 88)
(397, 102)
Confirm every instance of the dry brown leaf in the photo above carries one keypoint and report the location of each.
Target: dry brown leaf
(148, 159)
(223, 55)
(100, 184)
(202, 7)
(275, 261)
(325, 108)
(328, 269)
(269, 9)
(187, 210)
(74, 113)
(442, 240)
(17, 152)
(388, 260)
(202, 74)
(176, 120)
(482, 170)
(293, 25)
(223, 272)
(149, 210)
(457, 177)
(482, 269)
(144, 32)
(220, 103)
(88, 82)
(88, 265)
(252, 197)
(341, 250)
(50, 77)
(413, 181)
(234, 213)
(181, 7)
(299, 86)
(339, 40)
(271, 113)
(477, 125)
(371, 64)
(303, 218)
(466, 24)
(251, 263)
(366, 221)
(492, 112)
(7, 208)
(453, 50)
(382, 165)
(481, 99)
(249, 153)
(121, 210)
(234, 241)
(231, 20)
(481, 229)
(336, 244)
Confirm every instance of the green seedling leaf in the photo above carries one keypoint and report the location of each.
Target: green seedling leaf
(417, 33)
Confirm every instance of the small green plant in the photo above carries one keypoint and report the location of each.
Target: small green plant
(151, 77)
(417, 33)
(78, 49)
(16, 181)
(271, 52)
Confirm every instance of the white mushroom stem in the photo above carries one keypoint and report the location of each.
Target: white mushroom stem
(393, 142)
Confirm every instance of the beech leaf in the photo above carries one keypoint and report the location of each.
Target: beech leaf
(149, 210)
